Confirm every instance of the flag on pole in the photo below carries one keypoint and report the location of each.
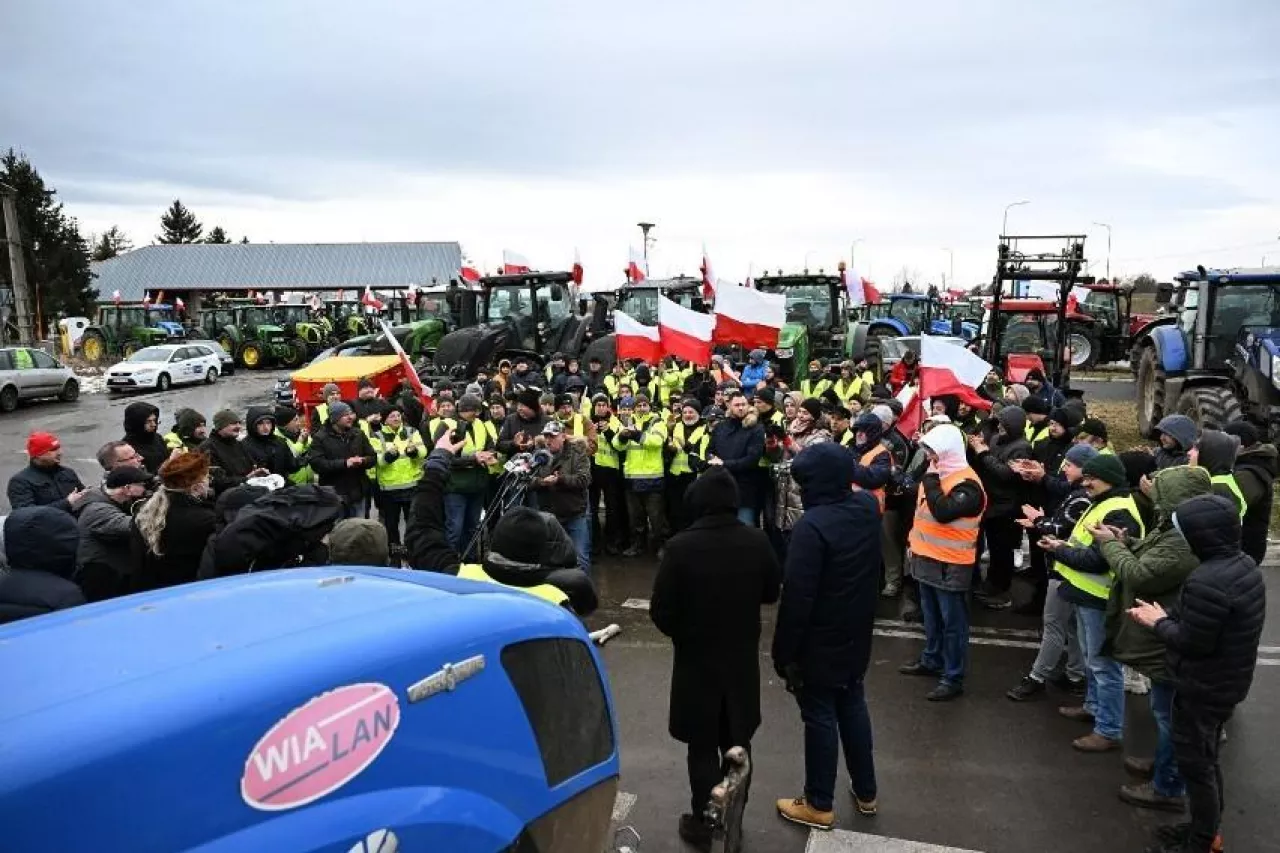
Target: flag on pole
(749, 317)
(708, 280)
(636, 340)
(410, 373)
(160, 298)
(750, 282)
(861, 291)
(469, 273)
(411, 295)
(637, 266)
(371, 301)
(115, 297)
(577, 268)
(945, 370)
(315, 302)
(684, 333)
(514, 263)
(179, 304)
(146, 297)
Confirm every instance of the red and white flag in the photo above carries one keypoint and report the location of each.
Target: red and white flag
(708, 279)
(945, 370)
(685, 333)
(749, 317)
(115, 297)
(577, 268)
(636, 340)
(469, 273)
(179, 304)
(410, 373)
(411, 295)
(637, 266)
(514, 263)
(371, 301)
(315, 302)
(861, 291)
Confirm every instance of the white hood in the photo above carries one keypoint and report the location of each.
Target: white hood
(948, 442)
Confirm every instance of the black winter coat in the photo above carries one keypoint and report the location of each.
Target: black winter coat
(1213, 634)
(1256, 474)
(1005, 488)
(328, 456)
(229, 461)
(38, 546)
(739, 444)
(149, 444)
(271, 452)
(712, 581)
(187, 528)
(34, 486)
(277, 530)
(830, 586)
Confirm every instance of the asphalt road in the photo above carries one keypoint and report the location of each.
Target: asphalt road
(979, 774)
(1122, 387)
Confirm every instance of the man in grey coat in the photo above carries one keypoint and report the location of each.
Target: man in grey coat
(103, 559)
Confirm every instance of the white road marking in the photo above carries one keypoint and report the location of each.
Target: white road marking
(973, 641)
(1022, 633)
(842, 841)
(622, 804)
(636, 604)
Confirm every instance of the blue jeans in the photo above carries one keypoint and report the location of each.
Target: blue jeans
(748, 515)
(579, 530)
(835, 716)
(1166, 779)
(461, 518)
(1104, 696)
(946, 632)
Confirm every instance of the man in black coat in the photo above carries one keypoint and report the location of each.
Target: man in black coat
(822, 641)
(712, 580)
(737, 445)
(229, 459)
(340, 455)
(1255, 473)
(1006, 493)
(1212, 639)
(45, 481)
(142, 433)
(265, 447)
(37, 558)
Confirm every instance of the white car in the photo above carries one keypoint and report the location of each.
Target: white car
(159, 367)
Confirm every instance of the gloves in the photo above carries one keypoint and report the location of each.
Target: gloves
(412, 452)
(791, 675)
(391, 456)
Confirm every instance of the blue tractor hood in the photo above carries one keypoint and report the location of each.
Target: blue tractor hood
(171, 328)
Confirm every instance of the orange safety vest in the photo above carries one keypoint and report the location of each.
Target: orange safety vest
(867, 459)
(955, 542)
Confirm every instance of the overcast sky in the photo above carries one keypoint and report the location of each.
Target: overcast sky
(778, 133)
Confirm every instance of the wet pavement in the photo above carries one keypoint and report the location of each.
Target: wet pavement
(979, 774)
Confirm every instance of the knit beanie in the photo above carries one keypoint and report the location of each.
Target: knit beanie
(285, 414)
(225, 418)
(528, 397)
(1035, 406)
(520, 535)
(1069, 418)
(1094, 427)
(338, 409)
(330, 388)
(1107, 468)
(813, 407)
(470, 403)
(1020, 392)
(1245, 431)
(1081, 455)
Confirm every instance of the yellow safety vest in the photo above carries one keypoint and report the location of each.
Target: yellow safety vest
(644, 455)
(809, 388)
(1099, 586)
(303, 476)
(1034, 435)
(606, 455)
(697, 442)
(612, 382)
(405, 471)
(173, 441)
(847, 439)
(433, 426)
(1229, 480)
(576, 426)
(322, 413)
(848, 392)
(483, 435)
(545, 591)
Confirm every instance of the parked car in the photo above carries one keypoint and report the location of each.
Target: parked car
(228, 366)
(30, 374)
(160, 367)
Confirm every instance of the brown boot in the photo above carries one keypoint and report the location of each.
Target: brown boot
(799, 811)
(1139, 768)
(1077, 713)
(1094, 742)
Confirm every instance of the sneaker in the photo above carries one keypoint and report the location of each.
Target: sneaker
(1018, 560)
(1073, 686)
(1028, 688)
(917, 668)
(891, 590)
(1094, 742)
(696, 831)
(1077, 713)
(799, 811)
(1136, 683)
(944, 692)
(1145, 796)
(1139, 768)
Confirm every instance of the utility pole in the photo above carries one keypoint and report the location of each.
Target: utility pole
(952, 254)
(1108, 227)
(645, 228)
(17, 265)
(1004, 225)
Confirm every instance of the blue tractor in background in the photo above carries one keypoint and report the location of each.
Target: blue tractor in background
(903, 314)
(1220, 360)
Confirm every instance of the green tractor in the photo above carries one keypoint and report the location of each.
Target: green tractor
(123, 329)
(307, 331)
(817, 323)
(349, 319)
(248, 334)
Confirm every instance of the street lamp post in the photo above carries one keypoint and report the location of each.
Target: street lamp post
(645, 228)
(952, 254)
(1108, 227)
(1004, 227)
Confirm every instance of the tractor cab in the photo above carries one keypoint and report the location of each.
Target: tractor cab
(434, 303)
(248, 331)
(348, 317)
(640, 301)
(123, 329)
(905, 314)
(1026, 333)
(817, 319)
(309, 331)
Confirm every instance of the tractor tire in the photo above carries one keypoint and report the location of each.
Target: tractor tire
(252, 356)
(93, 346)
(8, 399)
(1210, 406)
(872, 353)
(296, 354)
(1086, 349)
(1152, 406)
(228, 345)
(604, 348)
(70, 392)
(129, 349)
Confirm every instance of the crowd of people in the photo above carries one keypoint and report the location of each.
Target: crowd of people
(748, 489)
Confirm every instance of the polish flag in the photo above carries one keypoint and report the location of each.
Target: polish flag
(371, 301)
(749, 317)
(179, 304)
(115, 297)
(410, 373)
(861, 291)
(685, 333)
(708, 280)
(315, 302)
(411, 296)
(514, 263)
(945, 369)
(1076, 298)
(636, 340)
(577, 268)
(469, 273)
(637, 267)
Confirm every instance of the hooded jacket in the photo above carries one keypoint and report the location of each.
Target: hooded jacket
(879, 472)
(753, 372)
(1217, 453)
(567, 498)
(275, 530)
(149, 444)
(1152, 569)
(712, 580)
(1006, 490)
(824, 623)
(37, 558)
(268, 451)
(185, 425)
(739, 445)
(1212, 634)
(1182, 430)
(1256, 474)
(104, 560)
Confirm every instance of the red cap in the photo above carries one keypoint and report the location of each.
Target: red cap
(40, 443)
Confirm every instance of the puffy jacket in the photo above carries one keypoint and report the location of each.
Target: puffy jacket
(1212, 635)
(1256, 474)
(753, 372)
(739, 445)
(104, 561)
(567, 499)
(37, 558)
(35, 486)
(788, 501)
(328, 456)
(829, 591)
(1005, 488)
(1152, 569)
(148, 443)
(1182, 430)
(268, 451)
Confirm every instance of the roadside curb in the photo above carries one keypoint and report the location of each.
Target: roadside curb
(1097, 378)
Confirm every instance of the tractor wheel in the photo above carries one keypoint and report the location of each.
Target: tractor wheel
(251, 355)
(1210, 406)
(1085, 347)
(93, 346)
(228, 345)
(1151, 401)
(294, 353)
(604, 348)
(872, 353)
(70, 392)
(128, 349)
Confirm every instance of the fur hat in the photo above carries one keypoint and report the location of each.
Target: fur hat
(183, 471)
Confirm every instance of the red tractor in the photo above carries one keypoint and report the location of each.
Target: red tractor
(1115, 329)
(1027, 332)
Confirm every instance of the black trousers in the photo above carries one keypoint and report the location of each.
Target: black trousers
(677, 515)
(1003, 538)
(392, 508)
(1197, 731)
(609, 484)
(707, 767)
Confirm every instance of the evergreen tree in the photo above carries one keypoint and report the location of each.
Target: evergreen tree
(179, 225)
(110, 244)
(217, 235)
(57, 256)
(244, 239)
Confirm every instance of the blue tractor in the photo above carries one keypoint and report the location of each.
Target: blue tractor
(906, 314)
(1220, 360)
